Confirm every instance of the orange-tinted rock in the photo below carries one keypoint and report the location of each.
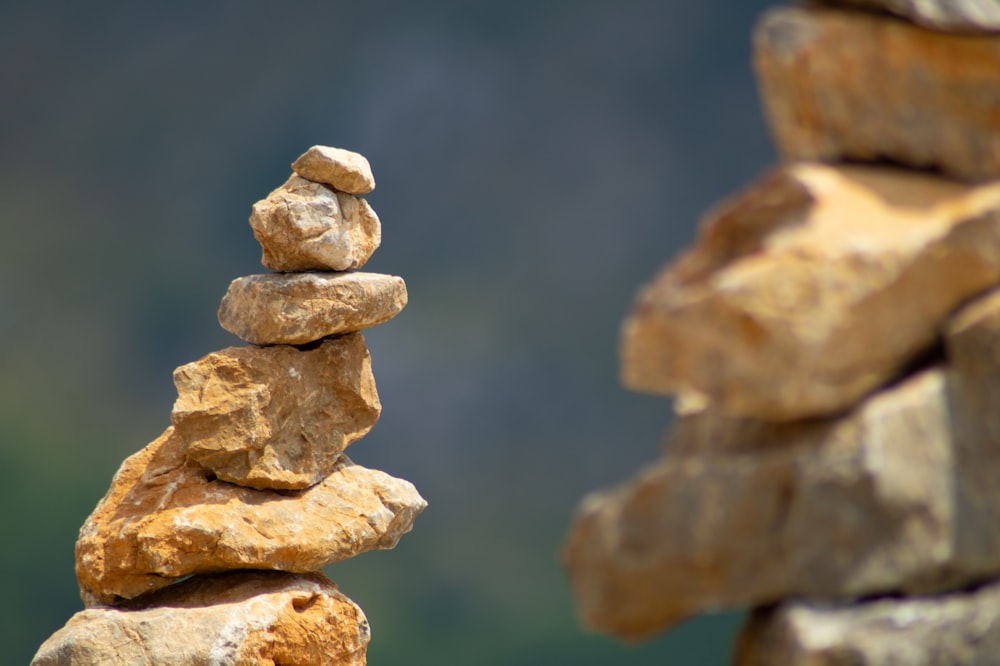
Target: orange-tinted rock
(341, 169)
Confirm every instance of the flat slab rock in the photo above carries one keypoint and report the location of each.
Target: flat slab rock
(898, 497)
(298, 308)
(246, 617)
(957, 629)
(276, 417)
(842, 84)
(810, 289)
(303, 226)
(341, 169)
(165, 518)
(951, 15)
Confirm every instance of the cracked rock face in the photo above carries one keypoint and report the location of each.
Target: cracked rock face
(165, 518)
(341, 169)
(305, 226)
(246, 617)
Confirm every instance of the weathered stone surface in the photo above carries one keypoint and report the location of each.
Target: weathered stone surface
(296, 308)
(953, 15)
(276, 417)
(813, 288)
(164, 518)
(246, 617)
(841, 84)
(304, 226)
(893, 498)
(340, 169)
(958, 629)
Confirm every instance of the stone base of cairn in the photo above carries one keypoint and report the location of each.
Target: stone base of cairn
(832, 341)
(209, 545)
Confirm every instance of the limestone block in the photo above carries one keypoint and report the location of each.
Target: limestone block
(276, 417)
(165, 518)
(235, 618)
(297, 308)
(957, 629)
(341, 169)
(304, 226)
(812, 288)
(246, 617)
(952, 15)
(840, 84)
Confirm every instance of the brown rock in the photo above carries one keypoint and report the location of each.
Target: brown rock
(304, 226)
(840, 84)
(296, 308)
(813, 288)
(276, 417)
(742, 512)
(341, 169)
(246, 617)
(958, 629)
(952, 15)
(165, 518)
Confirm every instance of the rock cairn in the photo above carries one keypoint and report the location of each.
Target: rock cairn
(832, 341)
(207, 549)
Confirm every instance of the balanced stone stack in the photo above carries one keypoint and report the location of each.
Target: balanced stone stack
(832, 341)
(208, 547)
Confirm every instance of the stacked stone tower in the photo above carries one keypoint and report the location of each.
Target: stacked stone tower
(208, 547)
(832, 341)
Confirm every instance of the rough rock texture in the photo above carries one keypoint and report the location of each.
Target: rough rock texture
(842, 84)
(340, 169)
(952, 15)
(743, 512)
(831, 279)
(957, 629)
(276, 417)
(296, 308)
(164, 518)
(304, 226)
(245, 617)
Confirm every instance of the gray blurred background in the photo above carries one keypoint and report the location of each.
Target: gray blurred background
(536, 163)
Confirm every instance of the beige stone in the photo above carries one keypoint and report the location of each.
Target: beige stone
(899, 496)
(957, 629)
(951, 15)
(341, 169)
(304, 226)
(246, 617)
(297, 308)
(165, 518)
(811, 289)
(276, 417)
(841, 84)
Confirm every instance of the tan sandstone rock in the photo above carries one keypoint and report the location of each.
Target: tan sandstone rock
(296, 308)
(952, 15)
(304, 226)
(842, 84)
(812, 288)
(957, 629)
(165, 518)
(340, 169)
(246, 617)
(276, 417)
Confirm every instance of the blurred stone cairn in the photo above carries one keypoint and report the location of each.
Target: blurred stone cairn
(832, 340)
(207, 549)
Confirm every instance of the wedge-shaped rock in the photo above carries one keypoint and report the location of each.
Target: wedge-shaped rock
(958, 629)
(276, 417)
(955, 15)
(340, 169)
(812, 288)
(304, 226)
(297, 308)
(842, 84)
(246, 617)
(165, 518)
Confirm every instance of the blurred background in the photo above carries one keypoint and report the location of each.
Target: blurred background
(536, 163)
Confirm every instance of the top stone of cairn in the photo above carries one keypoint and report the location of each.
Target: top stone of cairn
(341, 169)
